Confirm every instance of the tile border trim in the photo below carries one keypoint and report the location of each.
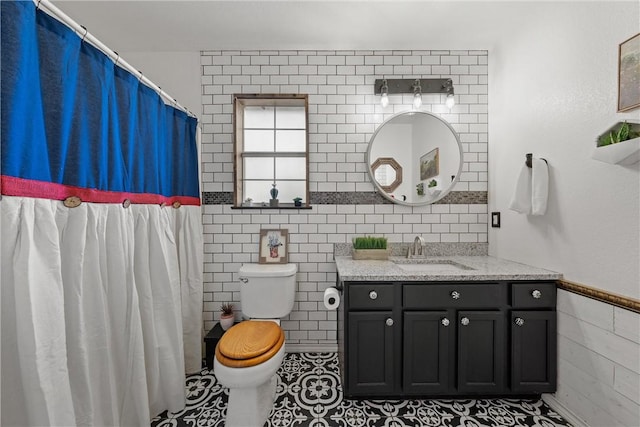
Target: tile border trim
(627, 303)
(355, 198)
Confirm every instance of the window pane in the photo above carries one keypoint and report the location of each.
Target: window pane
(291, 168)
(288, 190)
(290, 118)
(258, 191)
(258, 168)
(258, 117)
(258, 140)
(291, 140)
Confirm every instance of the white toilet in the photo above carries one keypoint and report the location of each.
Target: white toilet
(249, 353)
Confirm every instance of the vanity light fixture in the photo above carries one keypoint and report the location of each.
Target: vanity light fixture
(384, 91)
(417, 87)
(417, 94)
(450, 101)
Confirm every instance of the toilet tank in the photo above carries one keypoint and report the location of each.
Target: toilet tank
(267, 291)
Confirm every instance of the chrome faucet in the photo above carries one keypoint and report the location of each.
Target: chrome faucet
(418, 248)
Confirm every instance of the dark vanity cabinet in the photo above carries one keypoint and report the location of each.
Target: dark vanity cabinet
(448, 338)
(373, 337)
(533, 329)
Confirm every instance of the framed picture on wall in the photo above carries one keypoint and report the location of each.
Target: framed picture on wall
(629, 74)
(430, 164)
(274, 245)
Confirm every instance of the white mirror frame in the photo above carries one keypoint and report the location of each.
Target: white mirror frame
(443, 192)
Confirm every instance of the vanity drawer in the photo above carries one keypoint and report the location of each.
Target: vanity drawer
(371, 296)
(533, 295)
(480, 295)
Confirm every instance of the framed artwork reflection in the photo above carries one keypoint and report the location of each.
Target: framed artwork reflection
(274, 245)
(629, 74)
(430, 164)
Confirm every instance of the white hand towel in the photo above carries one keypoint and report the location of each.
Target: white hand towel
(521, 199)
(539, 186)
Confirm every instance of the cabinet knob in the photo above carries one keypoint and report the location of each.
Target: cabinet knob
(519, 321)
(389, 321)
(536, 294)
(464, 321)
(373, 295)
(445, 322)
(455, 294)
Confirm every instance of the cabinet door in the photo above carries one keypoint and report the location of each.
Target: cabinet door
(481, 351)
(533, 351)
(371, 353)
(427, 340)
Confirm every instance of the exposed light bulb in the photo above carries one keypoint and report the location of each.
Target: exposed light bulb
(384, 100)
(450, 101)
(417, 100)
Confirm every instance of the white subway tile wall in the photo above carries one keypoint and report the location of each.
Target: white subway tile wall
(343, 115)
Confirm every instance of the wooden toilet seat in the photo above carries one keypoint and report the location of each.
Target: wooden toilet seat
(249, 343)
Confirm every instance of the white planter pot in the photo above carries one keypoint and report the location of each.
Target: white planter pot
(226, 322)
(622, 153)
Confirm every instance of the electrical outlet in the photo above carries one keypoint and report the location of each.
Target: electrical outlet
(495, 219)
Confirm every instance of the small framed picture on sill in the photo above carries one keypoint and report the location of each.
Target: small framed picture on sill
(629, 74)
(274, 245)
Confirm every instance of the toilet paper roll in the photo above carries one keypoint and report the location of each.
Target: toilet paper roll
(331, 298)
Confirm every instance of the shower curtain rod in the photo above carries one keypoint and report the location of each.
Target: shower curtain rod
(114, 56)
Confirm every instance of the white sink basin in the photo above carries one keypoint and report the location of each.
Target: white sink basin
(431, 266)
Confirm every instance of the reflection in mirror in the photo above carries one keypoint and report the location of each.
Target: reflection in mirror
(424, 147)
(388, 173)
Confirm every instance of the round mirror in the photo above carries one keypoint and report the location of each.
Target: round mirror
(424, 149)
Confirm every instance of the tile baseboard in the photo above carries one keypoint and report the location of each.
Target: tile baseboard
(310, 348)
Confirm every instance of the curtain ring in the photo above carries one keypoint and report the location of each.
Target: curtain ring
(85, 33)
(117, 58)
(38, 5)
(140, 76)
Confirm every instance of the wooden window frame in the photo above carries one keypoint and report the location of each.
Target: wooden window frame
(264, 100)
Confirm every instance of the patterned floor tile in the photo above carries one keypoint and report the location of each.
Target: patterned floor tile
(309, 393)
(288, 412)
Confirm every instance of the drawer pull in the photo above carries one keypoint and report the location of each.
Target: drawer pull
(455, 294)
(519, 321)
(389, 321)
(445, 322)
(373, 295)
(464, 321)
(536, 294)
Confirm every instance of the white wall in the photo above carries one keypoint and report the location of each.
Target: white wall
(553, 89)
(177, 73)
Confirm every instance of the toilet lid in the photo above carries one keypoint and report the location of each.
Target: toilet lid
(249, 343)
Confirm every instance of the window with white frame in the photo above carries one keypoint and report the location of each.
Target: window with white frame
(271, 147)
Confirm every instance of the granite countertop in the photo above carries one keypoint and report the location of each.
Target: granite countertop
(470, 268)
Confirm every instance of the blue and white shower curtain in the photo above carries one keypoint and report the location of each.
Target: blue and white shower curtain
(101, 303)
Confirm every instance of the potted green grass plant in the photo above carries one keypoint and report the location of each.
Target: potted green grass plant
(370, 248)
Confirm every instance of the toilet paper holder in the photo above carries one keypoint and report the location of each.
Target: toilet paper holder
(331, 298)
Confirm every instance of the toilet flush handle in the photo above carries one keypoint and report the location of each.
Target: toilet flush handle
(244, 279)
